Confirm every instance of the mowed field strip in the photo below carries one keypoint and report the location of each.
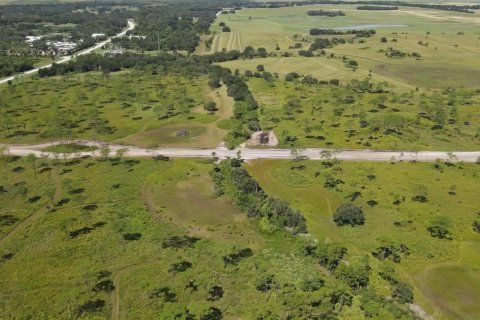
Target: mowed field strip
(226, 40)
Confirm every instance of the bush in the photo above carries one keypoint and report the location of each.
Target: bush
(348, 214)
(476, 226)
(105, 285)
(210, 106)
(132, 236)
(261, 68)
(235, 258)
(439, 232)
(403, 292)
(330, 255)
(91, 306)
(212, 314)
(181, 266)
(215, 293)
(226, 29)
(335, 82)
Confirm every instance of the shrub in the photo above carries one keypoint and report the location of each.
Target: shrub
(210, 106)
(165, 294)
(265, 284)
(212, 314)
(439, 232)
(403, 292)
(226, 29)
(235, 258)
(348, 214)
(179, 242)
(181, 266)
(91, 306)
(132, 236)
(105, 285)
(215, 293)
(330, 255)
(476, 226)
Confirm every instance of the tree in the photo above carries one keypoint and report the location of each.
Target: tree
(4, 157)
(329, 255)
(249, 52)
(403, 292)
(153, 147)
(105, 151)
(210, 106)
(121, 152)
(383, 39)
(262, 52)
(226, 29)
(356, 274)
(348, 214)
(32, 158)
(260, 68)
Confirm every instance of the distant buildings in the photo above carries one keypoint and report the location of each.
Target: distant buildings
(62, 47)
(136, 37)
(31, 39)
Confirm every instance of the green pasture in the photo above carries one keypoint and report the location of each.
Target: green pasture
(98, 235)
(449, 50)
(446, 283)
(303, 115)
(134, 107)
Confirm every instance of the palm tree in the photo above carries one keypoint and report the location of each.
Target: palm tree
(32, 158)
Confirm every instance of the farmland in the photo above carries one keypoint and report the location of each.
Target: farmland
(447, 42)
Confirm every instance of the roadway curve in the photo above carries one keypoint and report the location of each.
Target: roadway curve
(251, 154)
(131, 26)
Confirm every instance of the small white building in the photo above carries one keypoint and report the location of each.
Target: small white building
(32, 39)
(98, 35)
(136, 37)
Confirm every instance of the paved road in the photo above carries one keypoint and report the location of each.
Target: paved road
(271, 153)
(131, 26)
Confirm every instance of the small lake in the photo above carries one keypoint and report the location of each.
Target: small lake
(372, 26)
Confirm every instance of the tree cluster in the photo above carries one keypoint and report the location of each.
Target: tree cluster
(231, 178)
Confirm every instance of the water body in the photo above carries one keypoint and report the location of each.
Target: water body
(372, 26)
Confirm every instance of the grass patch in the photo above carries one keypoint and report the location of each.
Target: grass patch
(395, 219)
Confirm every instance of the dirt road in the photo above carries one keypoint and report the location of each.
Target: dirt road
(251, 153)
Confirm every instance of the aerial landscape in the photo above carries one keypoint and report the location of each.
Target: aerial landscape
(240, 159)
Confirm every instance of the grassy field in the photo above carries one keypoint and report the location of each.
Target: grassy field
(127, 238)
(444, 272)
(305, 115)
(450, 53)
(132, 107)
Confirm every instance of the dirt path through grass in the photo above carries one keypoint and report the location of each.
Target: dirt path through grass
(32, 216)
(116, 283)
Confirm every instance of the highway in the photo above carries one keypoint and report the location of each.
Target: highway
(131, 26)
